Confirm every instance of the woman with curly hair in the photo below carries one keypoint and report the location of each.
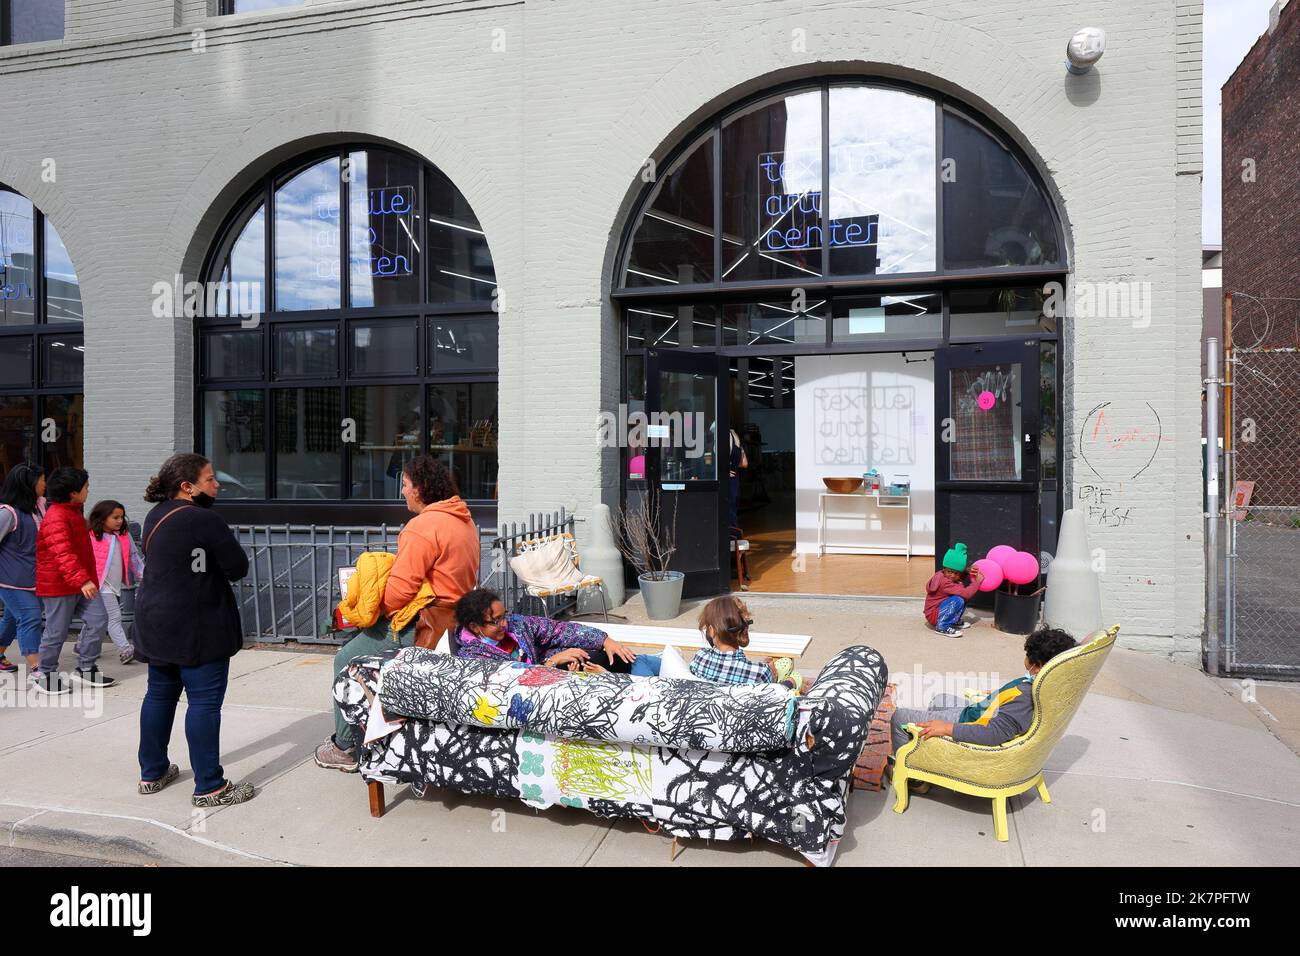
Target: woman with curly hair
(439, 545)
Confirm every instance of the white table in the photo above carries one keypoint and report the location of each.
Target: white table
(883, 502)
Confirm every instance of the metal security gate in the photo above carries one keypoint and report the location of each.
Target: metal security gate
(292, 585)
(1259, 523)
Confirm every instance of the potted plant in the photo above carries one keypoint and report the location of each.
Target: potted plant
(648, 543)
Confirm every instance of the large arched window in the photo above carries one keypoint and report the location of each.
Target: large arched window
(41, 345)
(838, 184)
(818, 222)
(846, 215)
(376, 337)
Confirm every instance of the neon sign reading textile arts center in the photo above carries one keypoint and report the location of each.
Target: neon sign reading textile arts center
(792, 221)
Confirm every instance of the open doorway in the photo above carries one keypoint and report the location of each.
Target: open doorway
(802, 419)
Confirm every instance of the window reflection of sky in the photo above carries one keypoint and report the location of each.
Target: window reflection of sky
(882, 157)
(307, 239)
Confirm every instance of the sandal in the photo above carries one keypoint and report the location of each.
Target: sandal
(153, 786)
(227, 796)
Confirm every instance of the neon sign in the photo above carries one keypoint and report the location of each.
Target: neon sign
(389, 235)
(791, 221)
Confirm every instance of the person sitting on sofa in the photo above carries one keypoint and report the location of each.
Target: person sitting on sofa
(487, 632)
(999, 716)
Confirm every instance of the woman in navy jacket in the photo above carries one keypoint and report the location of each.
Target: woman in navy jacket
(187, 627)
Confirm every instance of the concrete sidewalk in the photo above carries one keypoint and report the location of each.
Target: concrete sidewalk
(1162, 766)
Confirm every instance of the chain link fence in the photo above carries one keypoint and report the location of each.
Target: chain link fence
(1261, 526)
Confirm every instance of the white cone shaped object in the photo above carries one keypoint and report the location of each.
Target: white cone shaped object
(600, 557)
(1073, 601)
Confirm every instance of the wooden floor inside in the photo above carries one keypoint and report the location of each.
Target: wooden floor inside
(774, 568)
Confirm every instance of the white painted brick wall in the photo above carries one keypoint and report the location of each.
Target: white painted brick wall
(546, 139)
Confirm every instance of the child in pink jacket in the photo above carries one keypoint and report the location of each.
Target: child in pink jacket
(119, 566)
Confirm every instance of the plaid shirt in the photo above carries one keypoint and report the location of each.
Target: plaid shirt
(729, 668)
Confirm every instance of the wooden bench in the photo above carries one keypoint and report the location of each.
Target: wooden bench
(761, 644)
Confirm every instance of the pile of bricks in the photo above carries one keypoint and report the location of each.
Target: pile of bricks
(869, 771)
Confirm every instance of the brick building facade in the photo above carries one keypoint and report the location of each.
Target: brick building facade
(162, 116)
(1261, 253)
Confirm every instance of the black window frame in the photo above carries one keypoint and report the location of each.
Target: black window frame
(226, 8)
(344, 509)
(830, 287)
(38, 388)
(7, 26)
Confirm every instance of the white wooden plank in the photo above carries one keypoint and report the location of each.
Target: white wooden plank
(760, 643)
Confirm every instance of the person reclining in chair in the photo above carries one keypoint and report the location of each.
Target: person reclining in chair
(1000, 716)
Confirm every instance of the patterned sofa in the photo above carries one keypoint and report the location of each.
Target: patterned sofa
(699, 760)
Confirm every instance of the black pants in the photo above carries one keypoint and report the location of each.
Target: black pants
(616, 666)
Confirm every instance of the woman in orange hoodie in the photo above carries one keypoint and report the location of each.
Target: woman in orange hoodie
(439, 545)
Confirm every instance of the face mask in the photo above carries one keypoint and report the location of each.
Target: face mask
(203, 499)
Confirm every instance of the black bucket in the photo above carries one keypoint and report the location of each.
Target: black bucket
(1016, 613)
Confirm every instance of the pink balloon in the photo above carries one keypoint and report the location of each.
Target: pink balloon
(1001, 554)
(1021, 568)
(992, 573)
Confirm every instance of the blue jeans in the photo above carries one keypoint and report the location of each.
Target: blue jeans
(22, 617)
(646, 665)
(205, 689)
(950, 612)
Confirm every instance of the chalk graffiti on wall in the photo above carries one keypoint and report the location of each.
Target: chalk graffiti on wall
(1118, 442)
(1099, 502)
(860, 425)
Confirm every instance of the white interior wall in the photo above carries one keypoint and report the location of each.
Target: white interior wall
(854, 413)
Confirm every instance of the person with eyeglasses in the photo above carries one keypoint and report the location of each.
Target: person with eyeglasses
(725, 623)
(487, 632)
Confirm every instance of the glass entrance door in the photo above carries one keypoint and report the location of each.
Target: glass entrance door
(686, 413)
(987, 447)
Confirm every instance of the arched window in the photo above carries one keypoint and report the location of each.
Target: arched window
(846, 216)
(41, 345)
(374, 337)
(840, 182)
(842, 215)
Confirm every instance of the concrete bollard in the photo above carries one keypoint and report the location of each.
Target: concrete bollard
(1073, 590)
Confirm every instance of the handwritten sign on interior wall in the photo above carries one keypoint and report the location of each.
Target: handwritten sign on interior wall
(865, 425)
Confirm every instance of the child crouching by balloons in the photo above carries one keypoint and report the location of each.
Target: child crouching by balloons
(946, 593)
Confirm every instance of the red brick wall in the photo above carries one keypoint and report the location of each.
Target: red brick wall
(1261, 219)
(1261, 256)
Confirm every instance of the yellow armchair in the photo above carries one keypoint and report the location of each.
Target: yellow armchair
(1017, 765)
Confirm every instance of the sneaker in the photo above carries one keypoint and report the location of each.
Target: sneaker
(227, 796)
(968, 622)
(93, 677)
(7, 666)
(330, 756)
(950, 632)
(51, 685)
(128, 655)
(153, 786)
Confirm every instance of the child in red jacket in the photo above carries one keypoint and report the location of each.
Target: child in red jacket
(946, 593)
(67, 584)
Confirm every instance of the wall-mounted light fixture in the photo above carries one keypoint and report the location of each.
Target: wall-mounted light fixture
(1085, 49)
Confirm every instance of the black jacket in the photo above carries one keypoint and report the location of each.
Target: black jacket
(185, 610)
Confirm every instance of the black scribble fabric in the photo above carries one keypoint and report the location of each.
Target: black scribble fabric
(700, 715)
(792, 795)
